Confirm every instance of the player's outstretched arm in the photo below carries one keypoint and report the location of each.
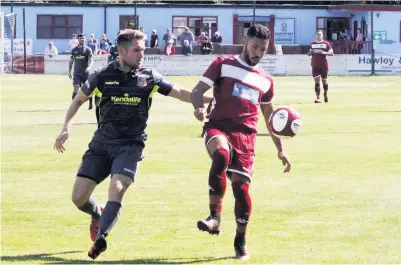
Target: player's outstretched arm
(182, 94)
(267, 110)
(167, 88)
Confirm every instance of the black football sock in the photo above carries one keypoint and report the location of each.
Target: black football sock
(239, 239)
(317, 90)
(90, 207)
(109, 218)
(325, 87)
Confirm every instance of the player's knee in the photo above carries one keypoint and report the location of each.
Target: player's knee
(222, 157)
(82, 190)
(324, 81)
(216, 143)
(79, 199)
(76, 88)
(118, 186)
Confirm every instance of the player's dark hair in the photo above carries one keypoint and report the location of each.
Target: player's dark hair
(126, 36)
(258, 31)
(319, 30)
(80, 35)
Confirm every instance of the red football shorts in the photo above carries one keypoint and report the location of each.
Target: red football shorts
(322, 71)
(242, 153)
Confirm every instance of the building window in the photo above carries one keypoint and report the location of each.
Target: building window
(331, 26)
(58, 26)
(195, 24)
(128, 22)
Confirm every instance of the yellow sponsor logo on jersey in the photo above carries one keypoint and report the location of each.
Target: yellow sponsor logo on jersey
(112, 83)
(80, 57)
(126, 100)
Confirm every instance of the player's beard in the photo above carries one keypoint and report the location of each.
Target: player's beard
(248, 59)
(132, 65)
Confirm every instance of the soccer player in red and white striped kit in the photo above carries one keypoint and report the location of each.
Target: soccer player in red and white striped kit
(240, 88)
(320, 48)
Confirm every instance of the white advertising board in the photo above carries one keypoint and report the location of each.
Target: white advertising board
(58, 65)
(18, 46)
(389, 64)
(283, 65)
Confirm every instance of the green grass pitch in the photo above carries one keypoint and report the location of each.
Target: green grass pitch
(341, 203)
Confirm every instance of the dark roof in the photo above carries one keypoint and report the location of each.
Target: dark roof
(217, 3)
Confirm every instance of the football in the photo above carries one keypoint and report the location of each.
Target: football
(285, 122)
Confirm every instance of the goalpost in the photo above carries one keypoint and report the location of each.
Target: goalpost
(7, 36)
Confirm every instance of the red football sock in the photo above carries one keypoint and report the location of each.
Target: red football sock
(217, 180)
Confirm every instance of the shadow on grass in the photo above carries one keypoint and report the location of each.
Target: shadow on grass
(50, 258)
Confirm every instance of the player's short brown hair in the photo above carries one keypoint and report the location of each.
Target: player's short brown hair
(319, 30)
(258, 31)
(126, 36)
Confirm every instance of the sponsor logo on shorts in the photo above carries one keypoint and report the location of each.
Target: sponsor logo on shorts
(129, 170)
(126, 100)
(210, 188)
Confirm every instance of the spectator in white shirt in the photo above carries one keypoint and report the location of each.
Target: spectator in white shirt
(51, 50)
(73, 42)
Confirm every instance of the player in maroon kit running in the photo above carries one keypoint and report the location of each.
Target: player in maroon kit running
(240, 87)
(320, 67)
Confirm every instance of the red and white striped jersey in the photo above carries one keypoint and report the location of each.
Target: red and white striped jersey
(238, 91)
(320, 60)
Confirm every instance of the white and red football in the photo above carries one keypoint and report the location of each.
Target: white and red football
(285, 122)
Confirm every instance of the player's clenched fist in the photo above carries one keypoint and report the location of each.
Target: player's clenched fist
(60, 140)
(200, 114)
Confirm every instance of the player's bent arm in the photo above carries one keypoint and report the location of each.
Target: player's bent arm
(79, 99)
(185, 95)
(90, 59)
(267, 110)
(90, 62)
(329, 53)
(197, 97)
(70, 65)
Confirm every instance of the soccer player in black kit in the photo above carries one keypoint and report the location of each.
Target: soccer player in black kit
(116, 148)
(81, 58)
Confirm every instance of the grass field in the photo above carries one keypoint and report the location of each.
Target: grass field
(340, 204)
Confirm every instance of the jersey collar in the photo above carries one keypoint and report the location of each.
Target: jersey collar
(117, 67)
(244, 63)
